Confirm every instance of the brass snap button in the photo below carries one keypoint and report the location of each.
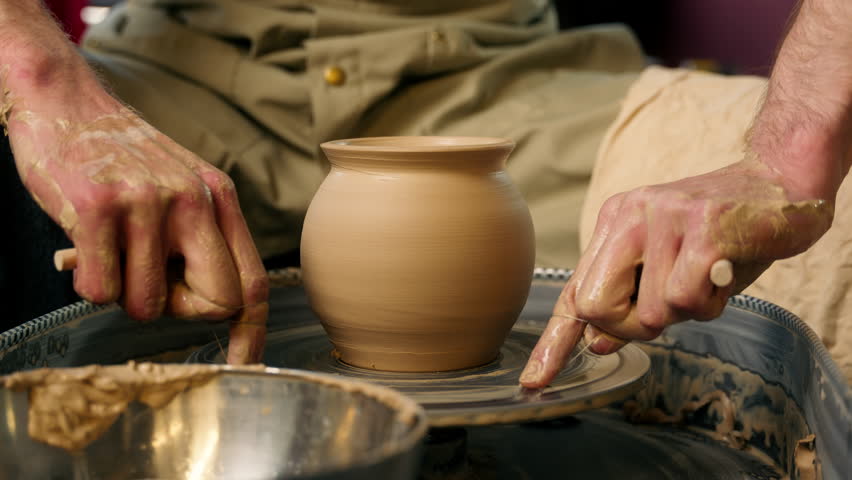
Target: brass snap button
(438, 36)
(334, 76)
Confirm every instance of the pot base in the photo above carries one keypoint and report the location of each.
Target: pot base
(413, 362)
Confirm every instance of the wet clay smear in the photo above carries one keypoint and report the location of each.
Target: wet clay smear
(71, 408)
(5, 100)
(740, 408)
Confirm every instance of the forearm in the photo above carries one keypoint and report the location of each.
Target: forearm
(803, 129)
(39, 67)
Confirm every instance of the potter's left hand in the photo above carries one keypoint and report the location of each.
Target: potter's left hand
(747, 213)
(156, 228)
(127, 196)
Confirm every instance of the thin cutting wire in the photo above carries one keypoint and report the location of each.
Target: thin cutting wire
(588, 343)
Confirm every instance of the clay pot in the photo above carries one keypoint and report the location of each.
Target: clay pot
(417, 252)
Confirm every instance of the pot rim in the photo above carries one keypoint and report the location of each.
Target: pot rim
(417, 144)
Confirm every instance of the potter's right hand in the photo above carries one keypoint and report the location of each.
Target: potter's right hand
(745, 213)
(125, 193)
(752, 213)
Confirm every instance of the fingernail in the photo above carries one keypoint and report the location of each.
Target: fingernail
(532, 372)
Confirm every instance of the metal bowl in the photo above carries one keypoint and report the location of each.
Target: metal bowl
(243, 424)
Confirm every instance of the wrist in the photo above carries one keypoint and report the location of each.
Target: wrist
(51, 84)
(42, 72)
(802, 132)
(808, 158)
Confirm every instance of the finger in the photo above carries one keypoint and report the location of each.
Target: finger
(144, 296)
(605, 296)
(254, 280)
(185, 303)
(248, 331)
(630, 328)
(652, 310)
(248, 335)
(689, 289)
(604, 225)
(562, 333)
(715, 305)
(90, 224)
(555, 344)
(209, 272)
(602, 343)
(97, 277)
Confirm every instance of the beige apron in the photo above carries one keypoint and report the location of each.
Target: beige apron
(254, 87)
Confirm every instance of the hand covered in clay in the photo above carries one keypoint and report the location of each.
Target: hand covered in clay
(130, 199)
(648, 263)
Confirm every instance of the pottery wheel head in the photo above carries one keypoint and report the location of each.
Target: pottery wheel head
(485, 395)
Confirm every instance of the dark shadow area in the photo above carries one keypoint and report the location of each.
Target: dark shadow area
(29, 283)
(724, 35)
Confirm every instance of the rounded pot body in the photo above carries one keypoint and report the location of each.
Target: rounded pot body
(417, 252)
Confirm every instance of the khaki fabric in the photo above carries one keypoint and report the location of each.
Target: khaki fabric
(677, 123)
(243, 84)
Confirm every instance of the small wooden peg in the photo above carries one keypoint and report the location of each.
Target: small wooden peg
(722, 273)
(65, 259)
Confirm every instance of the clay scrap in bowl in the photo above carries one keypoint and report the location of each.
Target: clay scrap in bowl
(203, 421)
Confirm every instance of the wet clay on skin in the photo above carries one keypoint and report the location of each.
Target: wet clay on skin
(70, 408)
(111, 148)
(82, 155)
(67, 217)
(119, 156)
(417, 252)
(6, 102)
(776, 218)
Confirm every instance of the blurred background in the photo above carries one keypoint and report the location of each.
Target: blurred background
(730, 36)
